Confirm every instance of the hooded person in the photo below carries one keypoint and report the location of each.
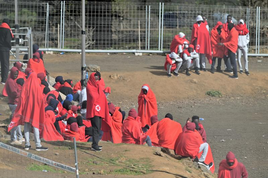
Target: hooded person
(152, 132)
(13, 91)
(66, 87)
(147, 105)
(199, 127)
(19, 66)
(217, 36)
(116, 123)
(177, 43)
(42, 77)
(36, 64)
(97, 108)
(243, 40)
(36, 49)
(6, 36)
(168, 131)
(132, 132)
(201, 41)
(173, 64)
(189, 144)
(59, 81)
(231, 168)
(30, 112)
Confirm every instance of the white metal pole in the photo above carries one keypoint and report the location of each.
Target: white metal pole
(63, 23)
(60, 24)
(149, 27)
(139, 33)
(47, 29)
(259, 27)
(159, 26)
(162, 35)
(17, 31)
(83, 53)
(76, 160)
(256, 42)
(146, 23)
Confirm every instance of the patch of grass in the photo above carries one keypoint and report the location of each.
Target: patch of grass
(188, 170)
(214, 93)
(42, 167)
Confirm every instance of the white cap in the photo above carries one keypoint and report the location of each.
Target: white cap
(241, 21)
(199, 18)
(145, 87)
(181, 35)
(173, 55)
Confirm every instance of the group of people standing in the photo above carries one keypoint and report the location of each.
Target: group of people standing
(223, 42)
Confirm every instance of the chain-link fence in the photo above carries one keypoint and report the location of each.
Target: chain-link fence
(126, 26)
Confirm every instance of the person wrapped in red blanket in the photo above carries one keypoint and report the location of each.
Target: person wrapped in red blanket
(168, 132)
(132, 132)
(37, 64)
(152, 132)
(190, 144)
(231, 168)
(147, 105)
(199, 127)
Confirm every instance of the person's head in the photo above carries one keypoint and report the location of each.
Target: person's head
(145, 89)
(69, 81)
(46, 90)
(199, 19)
(59, 79)
(181, 35)
(168, 115)
(190, 126)
(41, 76)
(53, 103)
(133, 113)
(36, 56)
(154, 119)
(20, 81)
(18, 65)
(230, 26)
(14, 72)
(74, 109)
(230, 158)
(97, 76)
(111, 108)
(69, 97)
(219, 25)
(241, 21)
(191, 48)
(28, 71)
(79, 121)
(195, 120)
(35, 48)
(229, 18)
(67, 105)
(5, 20)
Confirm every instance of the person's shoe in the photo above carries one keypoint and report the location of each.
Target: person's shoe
(234, 77)
(187, 72)
(27, 147)
(41, 148)
(247, 73)
(204, 70)
(212, 70)
(3, 83)
(96, 149)
(241, 71)
(169, 75)
(100, 147)
(228, 70)
(218, 70)
(176, 74)
(208, 166)
(197, 72)
(196, 159)
(22, 140)
(15, 142)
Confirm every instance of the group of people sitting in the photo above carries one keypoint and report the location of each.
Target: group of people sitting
(224, 41)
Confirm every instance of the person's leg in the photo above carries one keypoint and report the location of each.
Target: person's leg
(169, 69)
(89, 131)
(233, 62)
(95, 122)
(245, 54)
(148, 141)
(213, 64)
(203, 147)
(239, 60)
(13, 132)
(37, 137)
(227, 64)
(202, 62)
(57, 126)
(27, 129)
(4, 55)
(178, 66)
(188, 64)
(219, 65)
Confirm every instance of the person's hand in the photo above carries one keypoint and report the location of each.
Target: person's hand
(221, 44)
(65, 116)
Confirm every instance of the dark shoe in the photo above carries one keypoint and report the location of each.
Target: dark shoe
(208, 166)
(204, 70)
(247, 73)
(176, 74)
(196, 159)
(228, 70)
(96, 149)
(219, 70)
(241, 71)
(234, 77)
(212, 70)
(197, 72)
(169, 75)
(27, 147)
(41, 148)
(187, 72)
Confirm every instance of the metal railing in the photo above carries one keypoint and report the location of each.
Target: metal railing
(127, 27)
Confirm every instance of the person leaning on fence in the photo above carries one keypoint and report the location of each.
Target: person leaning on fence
(5, 46)
(243, 40)
(173, 64)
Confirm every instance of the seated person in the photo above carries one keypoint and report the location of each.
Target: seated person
(59, 81)
(66, 87)
(42, 77)
(168, 132)
(36, 64)
(198, 126)
(152, 132)
(188, 55)
(173, 64)
(231, 168)
(19, 67)
(46, 90)
(36, 49)
(131, 130)
(190, 144)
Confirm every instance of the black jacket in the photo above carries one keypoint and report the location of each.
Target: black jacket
(5, 39)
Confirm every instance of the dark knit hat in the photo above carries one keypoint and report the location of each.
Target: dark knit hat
(168, 115)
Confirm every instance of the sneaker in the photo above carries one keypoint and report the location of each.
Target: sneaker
(212, 70)
(22, 140)
(247, 73)
(227, 70)
(219, 70)
(96, 149)
(100, 147)
(195, 159)
(176, 74)
(197, 72)
(241, 71)
(204, 70)
(3, 83)
(234, 77)
(169, 75)
(27, 147)
(15, 142)
(41, 148)
(208, 166)
(187, 72)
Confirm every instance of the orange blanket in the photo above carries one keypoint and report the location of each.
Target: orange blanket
(37, 67)
(232, 40)
(152, 132)
(116, 126)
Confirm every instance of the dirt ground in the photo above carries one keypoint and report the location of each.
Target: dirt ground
(235, 122)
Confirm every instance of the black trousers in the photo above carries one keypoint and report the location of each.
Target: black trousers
(96, 126)
(214, 62)
(227, 62)
(233, 62)
(4, 57)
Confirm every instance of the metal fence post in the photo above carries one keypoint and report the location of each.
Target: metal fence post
(83, 53)
(162, 40)
(159, 26)
(256, 42)
(60, 23)
(76, 161)
(146, 28)
(63, 24)
(149, 27)
(47, 29)
(259, 27)
(17, 30)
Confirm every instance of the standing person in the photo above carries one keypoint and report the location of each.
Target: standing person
(97, 108)
(147, 105)
(13, 91)
(201, 41)
(231, 43)
(227, 31)
(173, 63)
(243, 40)
(217, 36)
(231, 168)
(5, 46)
(30, 111)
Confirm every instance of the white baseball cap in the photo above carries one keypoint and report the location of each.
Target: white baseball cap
(199, 18)
(181, 35)
(241, 21)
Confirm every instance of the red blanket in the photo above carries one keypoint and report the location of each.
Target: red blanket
(50, 133)
(148, 109)
(116, 126)
(31, 106)
(37, 67)
(152, 132)
(175, 43)
(232, 40)
(131, 131)
(20, 75)
(77, 87)
(168, 132)
(224, 169)
(169, 61)
(218, 50)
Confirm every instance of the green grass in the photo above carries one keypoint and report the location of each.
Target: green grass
(42, 167)
(214, 93)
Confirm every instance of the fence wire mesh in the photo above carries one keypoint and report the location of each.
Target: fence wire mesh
(124, 26)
